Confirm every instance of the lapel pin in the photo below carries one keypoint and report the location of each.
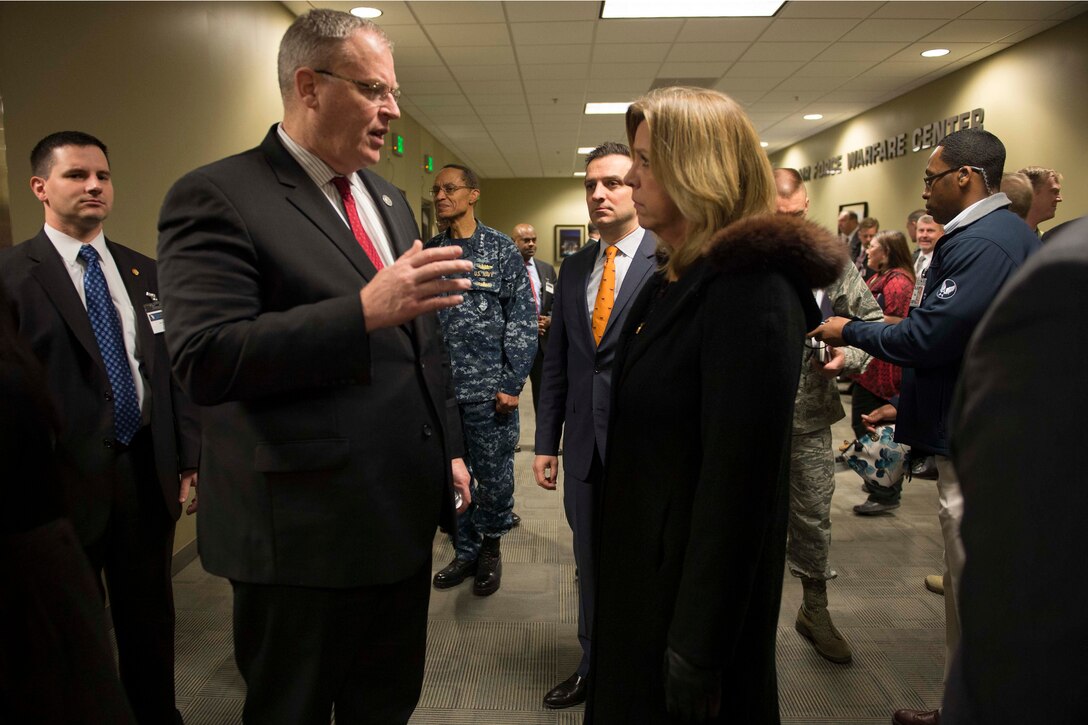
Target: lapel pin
(135, 272)
(387, 200)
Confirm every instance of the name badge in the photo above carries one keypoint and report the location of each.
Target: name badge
(549, 288)
(153, 310)
(919, 289)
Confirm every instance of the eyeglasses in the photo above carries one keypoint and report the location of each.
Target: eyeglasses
(448, 189)
(374, 91)
(928, 180)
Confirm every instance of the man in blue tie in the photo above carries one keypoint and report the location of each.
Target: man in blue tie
(89, 309)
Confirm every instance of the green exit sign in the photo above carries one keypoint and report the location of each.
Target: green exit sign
(398, 144)
(428, 164)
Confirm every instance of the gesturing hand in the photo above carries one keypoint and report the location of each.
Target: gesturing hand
(413, 285)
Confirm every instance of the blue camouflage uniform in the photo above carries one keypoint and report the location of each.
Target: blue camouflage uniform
(492, 339)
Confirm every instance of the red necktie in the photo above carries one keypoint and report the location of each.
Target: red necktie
(344, 187)
(532, 287)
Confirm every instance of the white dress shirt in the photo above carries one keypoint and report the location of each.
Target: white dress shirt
(68, 249)
(322, 174)
(921, 264)
(626, 250)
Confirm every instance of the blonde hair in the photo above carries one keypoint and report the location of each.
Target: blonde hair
(706, 155)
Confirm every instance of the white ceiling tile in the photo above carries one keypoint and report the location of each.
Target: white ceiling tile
(1015, 10)
(561, 33)
(722, 29)
(822, 83)
(615, 71)
(527, 11)
(837, 69)
(434, 102)
(703, 52)
(693, 70)
(767, 69)
(639, 53)
(860, 51)
(1071, 11)
(406, 35)
(539, 54)
(493, 72)
(415, 55)
(597, 86)
(411, 88)
(486, 34)
(788, 31)
(638, 31)
(899, 69)
(458, 12)
(932, 9)
(957, 51)
(1033, 29)
(478, 55)
(510, 88)
(730, 85)
(901, 29)
(850, 9)
(426, 73)
(783, 51)
(565, 91)
(557, 71)
(790, 97)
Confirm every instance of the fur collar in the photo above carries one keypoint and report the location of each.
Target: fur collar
(806, 253)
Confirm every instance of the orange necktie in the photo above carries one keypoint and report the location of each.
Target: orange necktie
(606, 294)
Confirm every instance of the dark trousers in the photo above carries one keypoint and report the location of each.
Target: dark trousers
(862, 402)
(578, 502)
(134, 552)
(304, 650)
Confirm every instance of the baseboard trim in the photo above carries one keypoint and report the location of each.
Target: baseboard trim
(183, 557)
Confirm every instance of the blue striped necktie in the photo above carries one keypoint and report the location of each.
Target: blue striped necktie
(107, 331)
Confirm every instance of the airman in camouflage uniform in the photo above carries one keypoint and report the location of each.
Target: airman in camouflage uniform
(812, 463)
(492, 340)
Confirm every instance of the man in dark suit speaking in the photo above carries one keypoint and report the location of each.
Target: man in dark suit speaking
(88, 308)
(304, 321)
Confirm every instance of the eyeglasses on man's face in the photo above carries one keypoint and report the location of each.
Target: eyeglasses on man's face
(374, 91)
(447, 189)
(930, 178)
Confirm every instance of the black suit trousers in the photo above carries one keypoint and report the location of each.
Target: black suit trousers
(134, 551)
(360, 649)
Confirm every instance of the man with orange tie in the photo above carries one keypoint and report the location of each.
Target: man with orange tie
(592, 297)
(542, 281)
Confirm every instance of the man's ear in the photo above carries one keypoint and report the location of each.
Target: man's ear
(37, 185)
(306, 86)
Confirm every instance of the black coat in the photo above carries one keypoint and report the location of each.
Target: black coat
(692, 525)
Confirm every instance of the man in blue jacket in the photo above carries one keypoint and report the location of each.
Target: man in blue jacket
(983, 245)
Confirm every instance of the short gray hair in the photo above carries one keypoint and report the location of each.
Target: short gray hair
(315, 40)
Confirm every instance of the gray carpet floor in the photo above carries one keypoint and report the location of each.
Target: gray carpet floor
(490, 660)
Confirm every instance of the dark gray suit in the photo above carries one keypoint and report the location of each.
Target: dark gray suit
(1017, 422)
(326, 460)
(576, 389)
(546, 274)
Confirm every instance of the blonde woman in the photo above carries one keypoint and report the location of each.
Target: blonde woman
(694, 504)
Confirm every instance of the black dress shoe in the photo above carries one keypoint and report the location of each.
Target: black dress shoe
(568, 693)
(517, 520)
(489, 568)
(457, 571)
(924, 467)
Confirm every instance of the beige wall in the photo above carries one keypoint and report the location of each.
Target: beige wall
(167, 86)
(1033, 96)
(540, 202)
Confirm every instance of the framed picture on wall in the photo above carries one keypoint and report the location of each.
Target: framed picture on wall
(861, 208)
(569, 238)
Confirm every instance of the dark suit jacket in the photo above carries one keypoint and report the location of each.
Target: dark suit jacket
(1017, 418)
(326, 449)
(546, 273)
(51, 317)
(577, 372)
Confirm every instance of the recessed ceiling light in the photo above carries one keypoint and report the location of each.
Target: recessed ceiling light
(812, 116)
(579, 173)
(690, 8)
(764, 144)
(585, 149)
(364, 12)
(606, 108)
(935, 52)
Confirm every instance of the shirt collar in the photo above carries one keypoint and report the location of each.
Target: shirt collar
(628, 245)
(318, 171)
(976, 211)
(68, 247)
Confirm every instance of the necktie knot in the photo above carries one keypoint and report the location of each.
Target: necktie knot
(342, 185)
(88, 254)
(610, 252)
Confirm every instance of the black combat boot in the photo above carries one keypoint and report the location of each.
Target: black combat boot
(457, 571)
(488, 568)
